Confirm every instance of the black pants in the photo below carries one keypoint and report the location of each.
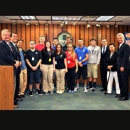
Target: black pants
(104, 77)
(71, 78)
(18, 71)
(123, 83)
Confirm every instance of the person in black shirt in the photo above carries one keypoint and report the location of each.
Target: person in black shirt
(61, 68)
(33, 59)
(47, 68)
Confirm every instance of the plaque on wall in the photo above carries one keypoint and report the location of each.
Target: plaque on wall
(62, 37)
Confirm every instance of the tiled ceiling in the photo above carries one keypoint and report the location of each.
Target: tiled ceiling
(120, 20)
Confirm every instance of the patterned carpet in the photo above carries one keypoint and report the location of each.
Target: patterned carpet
(74, 101)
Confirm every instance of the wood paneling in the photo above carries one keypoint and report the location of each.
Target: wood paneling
(6, 88)
(24, 37)
(77, 34)
(19, 32)
(33, 38)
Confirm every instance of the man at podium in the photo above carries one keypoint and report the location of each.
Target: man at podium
(7, 56)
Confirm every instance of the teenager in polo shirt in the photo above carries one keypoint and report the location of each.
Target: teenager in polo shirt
(48, 67)
(61, 68)
(33, 59)
(82, 56)
(72, 66)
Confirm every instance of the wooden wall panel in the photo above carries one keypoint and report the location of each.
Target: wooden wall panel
(0, 30)
(55, 30)
(37, 34)
(103, 32)
(108, 35)
(77, 34)
(24, 37)
(41, 29)
(4, 26)
(73, 34)
(89, 35)
(50, 33)
(94, 32)
(82, 28)
(19, 32)
(14, 29)
(59, 30)
(112, 37)
(32, 34)
(27, 37)
(86, 42)
(115, 34)
(64, 28)
(69, 28)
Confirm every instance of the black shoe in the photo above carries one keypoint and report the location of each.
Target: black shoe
(23, 96)
(89, 88)
(30, 93)
(118, 95)
(15, 102)
(19, 99)
(39, 92)
(123, 99)
(103, 89)
(107, 93)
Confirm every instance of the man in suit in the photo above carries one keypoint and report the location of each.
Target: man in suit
(14, 39)
(103, 69)
(7, 55)
(123, 66)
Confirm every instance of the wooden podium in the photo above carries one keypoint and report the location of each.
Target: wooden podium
(6, 88)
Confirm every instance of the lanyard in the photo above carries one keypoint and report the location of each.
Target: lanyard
(92, 50)
(49, 53)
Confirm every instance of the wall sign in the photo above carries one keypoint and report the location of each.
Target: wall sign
(62, 37)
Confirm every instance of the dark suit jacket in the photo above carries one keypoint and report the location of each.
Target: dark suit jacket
(123, 56)
(16, 52)
(65, 47)
(102, 62)
(7, 57)
(111, 61)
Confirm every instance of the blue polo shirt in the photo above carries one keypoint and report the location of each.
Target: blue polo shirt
(81, 54)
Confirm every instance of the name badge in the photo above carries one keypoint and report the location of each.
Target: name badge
(49, 60)
(80, 57)
(32, 58)
(68, 61)
(55, 62)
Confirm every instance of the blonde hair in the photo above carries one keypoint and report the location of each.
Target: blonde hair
(121, 34)
(73, 52)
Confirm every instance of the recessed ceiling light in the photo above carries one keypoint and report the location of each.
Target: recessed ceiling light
(104, 18)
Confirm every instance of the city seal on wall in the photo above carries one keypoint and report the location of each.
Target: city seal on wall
(62, 37)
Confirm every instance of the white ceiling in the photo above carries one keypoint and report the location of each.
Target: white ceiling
(120, 20)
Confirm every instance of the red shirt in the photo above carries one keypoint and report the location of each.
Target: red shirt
(40, 46)
(70, 60)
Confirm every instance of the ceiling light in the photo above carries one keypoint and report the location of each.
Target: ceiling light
(107, 26)
(98, 25)
(66, 22)
(27, 17)
(74, 23)
(104, 18)
(116, 26)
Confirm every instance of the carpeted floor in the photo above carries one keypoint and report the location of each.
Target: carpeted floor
(74, 101)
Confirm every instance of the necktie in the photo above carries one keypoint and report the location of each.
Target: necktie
(104, 50)
(10, 47)
(16, 48)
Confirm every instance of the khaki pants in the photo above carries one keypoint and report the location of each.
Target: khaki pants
(47, 72)
(60, 79)
(23, 81)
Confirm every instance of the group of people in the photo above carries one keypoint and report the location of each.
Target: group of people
(47, 64)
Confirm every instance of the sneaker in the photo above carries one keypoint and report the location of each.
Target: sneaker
(46, 93)
(69, 91)
(51, 92)
(60, 92)
(76, 89)
(72, 91)
(89, 88)
(57, 91)
(39, 92)
(30, 93)
(85, 90)
(93, 89)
